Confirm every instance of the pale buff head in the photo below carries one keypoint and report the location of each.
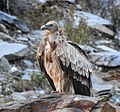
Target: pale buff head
(51, 26)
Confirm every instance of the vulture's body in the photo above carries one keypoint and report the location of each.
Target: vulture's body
(64, 63)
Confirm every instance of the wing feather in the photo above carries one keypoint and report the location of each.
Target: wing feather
(72, 55)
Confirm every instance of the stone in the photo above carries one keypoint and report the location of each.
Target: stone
(108, 59)
(10, 50)
(117, 37)
(18, 96)
(14, 71)
(26, 77)
(115, 98)
(23, 39)
(3, 29)
(28, 63)
(4, 65)
(112, 75)
(71, 1)
(24, 95)
(99, 89)
(99, 86)
(104, 29)
(105, 48)
(5, 37)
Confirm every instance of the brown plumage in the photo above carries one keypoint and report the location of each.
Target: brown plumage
(64, 63)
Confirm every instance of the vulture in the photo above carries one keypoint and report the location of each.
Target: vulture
(63, 62)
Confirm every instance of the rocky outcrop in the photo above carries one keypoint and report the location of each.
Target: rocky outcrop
(109, 59)
(58, 103)
(12, 21)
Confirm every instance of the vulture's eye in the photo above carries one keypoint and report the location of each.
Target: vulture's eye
(51, 25)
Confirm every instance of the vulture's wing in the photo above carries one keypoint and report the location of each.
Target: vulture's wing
(74, 62)
(40, 58)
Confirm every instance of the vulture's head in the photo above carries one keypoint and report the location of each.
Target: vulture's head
(51, 26)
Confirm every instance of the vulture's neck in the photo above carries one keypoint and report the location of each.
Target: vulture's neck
(50, 44)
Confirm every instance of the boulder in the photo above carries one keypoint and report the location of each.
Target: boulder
(12, 21)
(4, 65)
(5, 37)
(94, 21)
(108, 59)
(11, 50)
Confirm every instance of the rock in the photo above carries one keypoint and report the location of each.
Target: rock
(41, 1)
(105, 48)
(78, 7)
(108, 59)
(91, 19)
(104, 29)
(40, 91)
(14, 71)
(4, 65)
(18, 96)
(115, 98)
(112, 75)
(23, 39)
(99, 86)
(28, 73)
(24, 95)
(10, 50)
(100, 42)
(99, 90)
(7, 19)
(88, 49)
(117, 2)
(117, 37)
(70, 1)
(3, 29)
(58, 103)
(5, 37)
(2, 77)
(32, 71)
(28, 63)
(26, 77)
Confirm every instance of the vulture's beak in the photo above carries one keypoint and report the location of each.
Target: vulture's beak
(43, 27)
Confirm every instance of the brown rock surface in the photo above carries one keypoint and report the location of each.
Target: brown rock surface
(58, 103)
